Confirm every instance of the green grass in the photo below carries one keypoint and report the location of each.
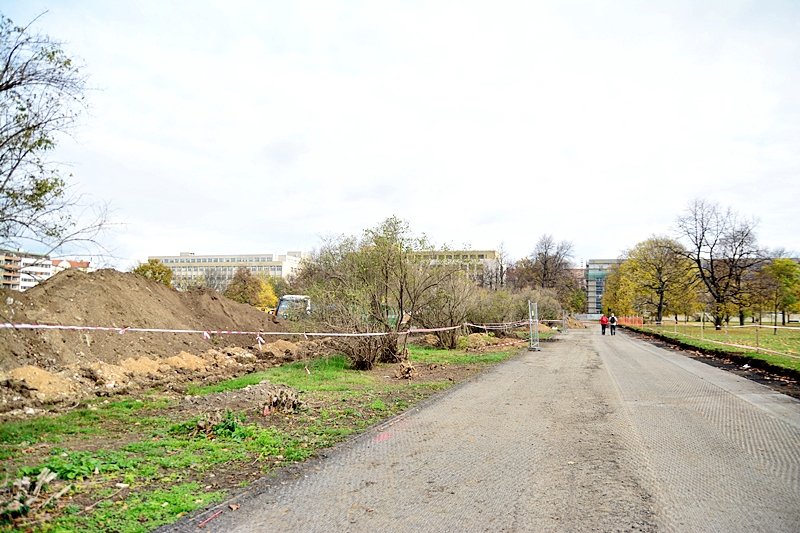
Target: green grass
(168, 462)
(378, 405)
(83, 421)
(330, 373)
(141, 512)
(786, 341)
(160, 460)
(426, 355)
(325, 374)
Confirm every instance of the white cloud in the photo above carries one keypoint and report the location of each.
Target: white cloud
(262, 126)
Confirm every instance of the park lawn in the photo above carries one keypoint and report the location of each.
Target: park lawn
(753, 342)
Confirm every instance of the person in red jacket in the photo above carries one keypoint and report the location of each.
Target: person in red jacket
(603, 324)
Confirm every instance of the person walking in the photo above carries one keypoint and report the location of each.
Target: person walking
(612, 322)
(603, 324)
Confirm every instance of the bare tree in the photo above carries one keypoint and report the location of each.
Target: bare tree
(338, 279)
(520, 274)
(375, 284)
(493, 276)
(41, 95)
(723, 248)
(448, 304)
(548, 267)
(551, 261)
(215, 278)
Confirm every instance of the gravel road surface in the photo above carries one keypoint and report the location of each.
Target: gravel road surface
(593, 433)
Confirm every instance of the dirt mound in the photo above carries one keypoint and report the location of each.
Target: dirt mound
(32, 382)
(45, 366)
(108, 298)
(281, 348)
(575, 324)
(479, 341)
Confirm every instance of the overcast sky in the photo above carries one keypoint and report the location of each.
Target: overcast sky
(264, 126)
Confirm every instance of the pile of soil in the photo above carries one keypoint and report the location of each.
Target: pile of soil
(44, 367)
(573, 323)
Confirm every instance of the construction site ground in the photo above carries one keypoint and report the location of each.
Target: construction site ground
(593, 433)
(45, 370)
(589, 434)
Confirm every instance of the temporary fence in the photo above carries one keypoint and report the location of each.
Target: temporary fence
(701, 331)
(630, 320)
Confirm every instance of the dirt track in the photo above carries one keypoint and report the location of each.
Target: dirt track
(592, 434)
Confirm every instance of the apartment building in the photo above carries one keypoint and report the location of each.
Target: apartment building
(12, 264)
(23, 270)
(217, 270)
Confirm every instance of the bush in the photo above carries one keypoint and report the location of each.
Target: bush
(505, 306)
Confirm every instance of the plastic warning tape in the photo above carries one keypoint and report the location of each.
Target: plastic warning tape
(432, 330)
(208, 333)
(505, 325)
(205, 333)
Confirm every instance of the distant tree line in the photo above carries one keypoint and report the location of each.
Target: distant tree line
(245, 287)
(384, 281)
(713, 265)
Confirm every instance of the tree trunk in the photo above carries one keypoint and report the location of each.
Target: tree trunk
(388, 350)
(775, 321)
(719, 316)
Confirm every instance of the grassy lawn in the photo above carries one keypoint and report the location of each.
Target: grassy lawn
(133, 464)
(753, 342)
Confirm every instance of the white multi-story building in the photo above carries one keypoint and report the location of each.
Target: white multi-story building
(483, 266)
(23, 270)
(216, 270)
(34, 270)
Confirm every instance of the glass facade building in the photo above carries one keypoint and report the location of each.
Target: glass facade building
(596, 273)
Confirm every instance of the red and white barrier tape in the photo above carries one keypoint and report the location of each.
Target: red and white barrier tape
(432, 330)
(507, 325)
(258, 334)
(710, 326)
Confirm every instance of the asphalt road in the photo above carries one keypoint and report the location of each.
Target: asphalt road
(593, 433)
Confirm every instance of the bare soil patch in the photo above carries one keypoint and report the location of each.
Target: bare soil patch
(54, 369)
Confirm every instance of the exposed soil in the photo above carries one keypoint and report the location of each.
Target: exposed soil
(53, 369)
